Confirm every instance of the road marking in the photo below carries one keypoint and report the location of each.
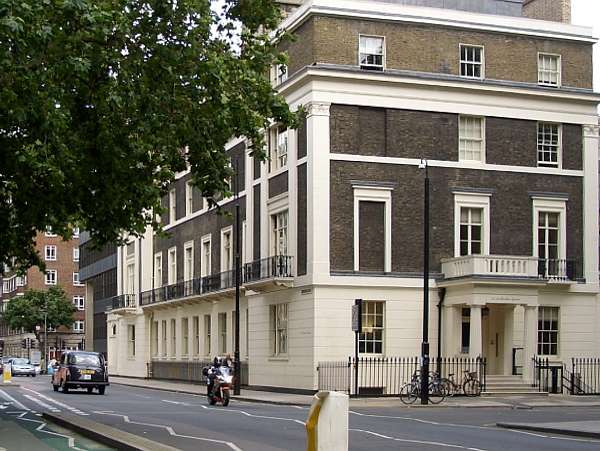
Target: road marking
(418, 420)
(58, 403)
(571, 439)
(43, 404)
(253, 415)
(16, 403)
(42, 428)
(420, 442)
(170, 430)
(176, 402)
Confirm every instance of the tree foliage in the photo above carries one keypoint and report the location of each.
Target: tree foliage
(27, 311)
(103, 101)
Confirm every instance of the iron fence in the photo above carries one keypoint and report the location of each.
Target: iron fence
(122, 301)
(186, 370)
(385, 376)
(547, 376)
(276, 266)
(584, 376)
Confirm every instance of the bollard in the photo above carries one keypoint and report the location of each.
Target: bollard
(7, 373)
(327, 423)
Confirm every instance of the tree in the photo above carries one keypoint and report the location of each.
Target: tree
(27, 311)
(103, 101)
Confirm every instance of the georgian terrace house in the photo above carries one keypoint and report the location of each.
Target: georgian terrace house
(501, 107)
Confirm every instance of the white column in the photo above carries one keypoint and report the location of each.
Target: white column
(475, 335)
(590, 203)
(450, 324)
(529, 340)
(317, 125)
(509, 322)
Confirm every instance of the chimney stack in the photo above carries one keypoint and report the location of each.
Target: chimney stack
(553, 10)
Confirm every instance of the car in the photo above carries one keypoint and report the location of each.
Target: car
(80, 369)
(21, 367)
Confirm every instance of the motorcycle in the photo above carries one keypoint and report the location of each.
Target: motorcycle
(222, 380)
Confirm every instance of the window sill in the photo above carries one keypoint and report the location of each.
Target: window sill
(278, 359)
(277, 172)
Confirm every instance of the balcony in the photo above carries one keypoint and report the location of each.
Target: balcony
(257, 275)
(122, 304)
(510, 267)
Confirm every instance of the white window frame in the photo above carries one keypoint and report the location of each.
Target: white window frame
(50, 253)
(48, 280)
(188, 266)
(155, 338)
(462, 151)
(207, 342)
(196, 335)
(275, 327)
(173, 338)
(75, 254)
(79, 326)
(206, 266)
(189, 198)
(76, 281)
(172, 265)
(279, 148)
(222, 327)
(470, 225)
(279, 74)
(481, 64)
(172, 206)
(158, 270)
(226, 231)
(131, 341)
(75, 232)
(472, 200)
(79, 302)
(558, 57)
(185, 336)
(373, 194)
(365, 328)
(274, 228)
(164, 338)
(377, 67)
(49, 233)
(550, 205)
(541, 308)
(559, 129)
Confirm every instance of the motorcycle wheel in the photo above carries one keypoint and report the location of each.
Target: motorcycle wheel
(225, 398)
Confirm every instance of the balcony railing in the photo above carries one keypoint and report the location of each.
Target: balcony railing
(509, 267)
(279, 266)
(123, 301)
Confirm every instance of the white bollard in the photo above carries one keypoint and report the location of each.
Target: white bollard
(7, 373)
(327, 423)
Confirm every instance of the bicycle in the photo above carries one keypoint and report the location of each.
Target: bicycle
(412, 390)
(470, 385)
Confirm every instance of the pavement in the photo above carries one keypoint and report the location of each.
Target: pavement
(573, 428)
(268, 397)
(185, 421)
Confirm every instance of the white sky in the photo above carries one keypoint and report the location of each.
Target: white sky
(587, 12)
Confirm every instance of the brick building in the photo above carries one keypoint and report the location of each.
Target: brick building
(496, 96)
(62, 269)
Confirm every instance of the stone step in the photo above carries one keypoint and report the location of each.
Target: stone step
(505, 383)
(490, 393)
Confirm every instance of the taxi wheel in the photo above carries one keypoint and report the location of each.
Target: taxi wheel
(101, 389)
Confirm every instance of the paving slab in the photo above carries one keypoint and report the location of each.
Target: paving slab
(574, 428)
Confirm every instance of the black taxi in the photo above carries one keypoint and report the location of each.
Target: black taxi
(80, 369)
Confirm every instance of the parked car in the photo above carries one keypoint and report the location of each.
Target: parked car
(80, 369)
(22, 367)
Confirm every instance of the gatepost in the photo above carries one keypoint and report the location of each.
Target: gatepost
(327, 423)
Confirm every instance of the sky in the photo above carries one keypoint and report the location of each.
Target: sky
(587, 12)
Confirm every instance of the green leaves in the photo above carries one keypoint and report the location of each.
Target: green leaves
(27, 311)
(99, 97)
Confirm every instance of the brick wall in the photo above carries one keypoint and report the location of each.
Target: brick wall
(510, 211)
(431, 135)
(435, 49)
(554, 10)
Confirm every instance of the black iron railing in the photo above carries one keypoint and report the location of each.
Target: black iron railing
(272, 267)
(547, 375)
(558, 270)
(385, 376)
(278, 266)
(584, 376)
(123, 301)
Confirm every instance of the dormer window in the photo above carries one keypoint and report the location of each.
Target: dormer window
(371, 52)
(471, 61)
(548, 69)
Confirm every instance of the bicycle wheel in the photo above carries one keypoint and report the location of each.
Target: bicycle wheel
(472, 387)
(448, 386)
(437, 392)
(409, 393)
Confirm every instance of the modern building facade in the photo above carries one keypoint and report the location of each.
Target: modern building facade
(501, 108)
(98, 270)
(62, 269)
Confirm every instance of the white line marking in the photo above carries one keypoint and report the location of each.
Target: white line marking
(170, 430)
(42, 428)
(16, 403)
(418, 420)
(420, 442)
(176, 402)
(42, 403)
(253, 415)
(58, 403)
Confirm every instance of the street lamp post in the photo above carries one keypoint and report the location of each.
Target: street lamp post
(425, 343)
(238, 274)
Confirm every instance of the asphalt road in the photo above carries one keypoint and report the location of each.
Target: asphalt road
(187, 422)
